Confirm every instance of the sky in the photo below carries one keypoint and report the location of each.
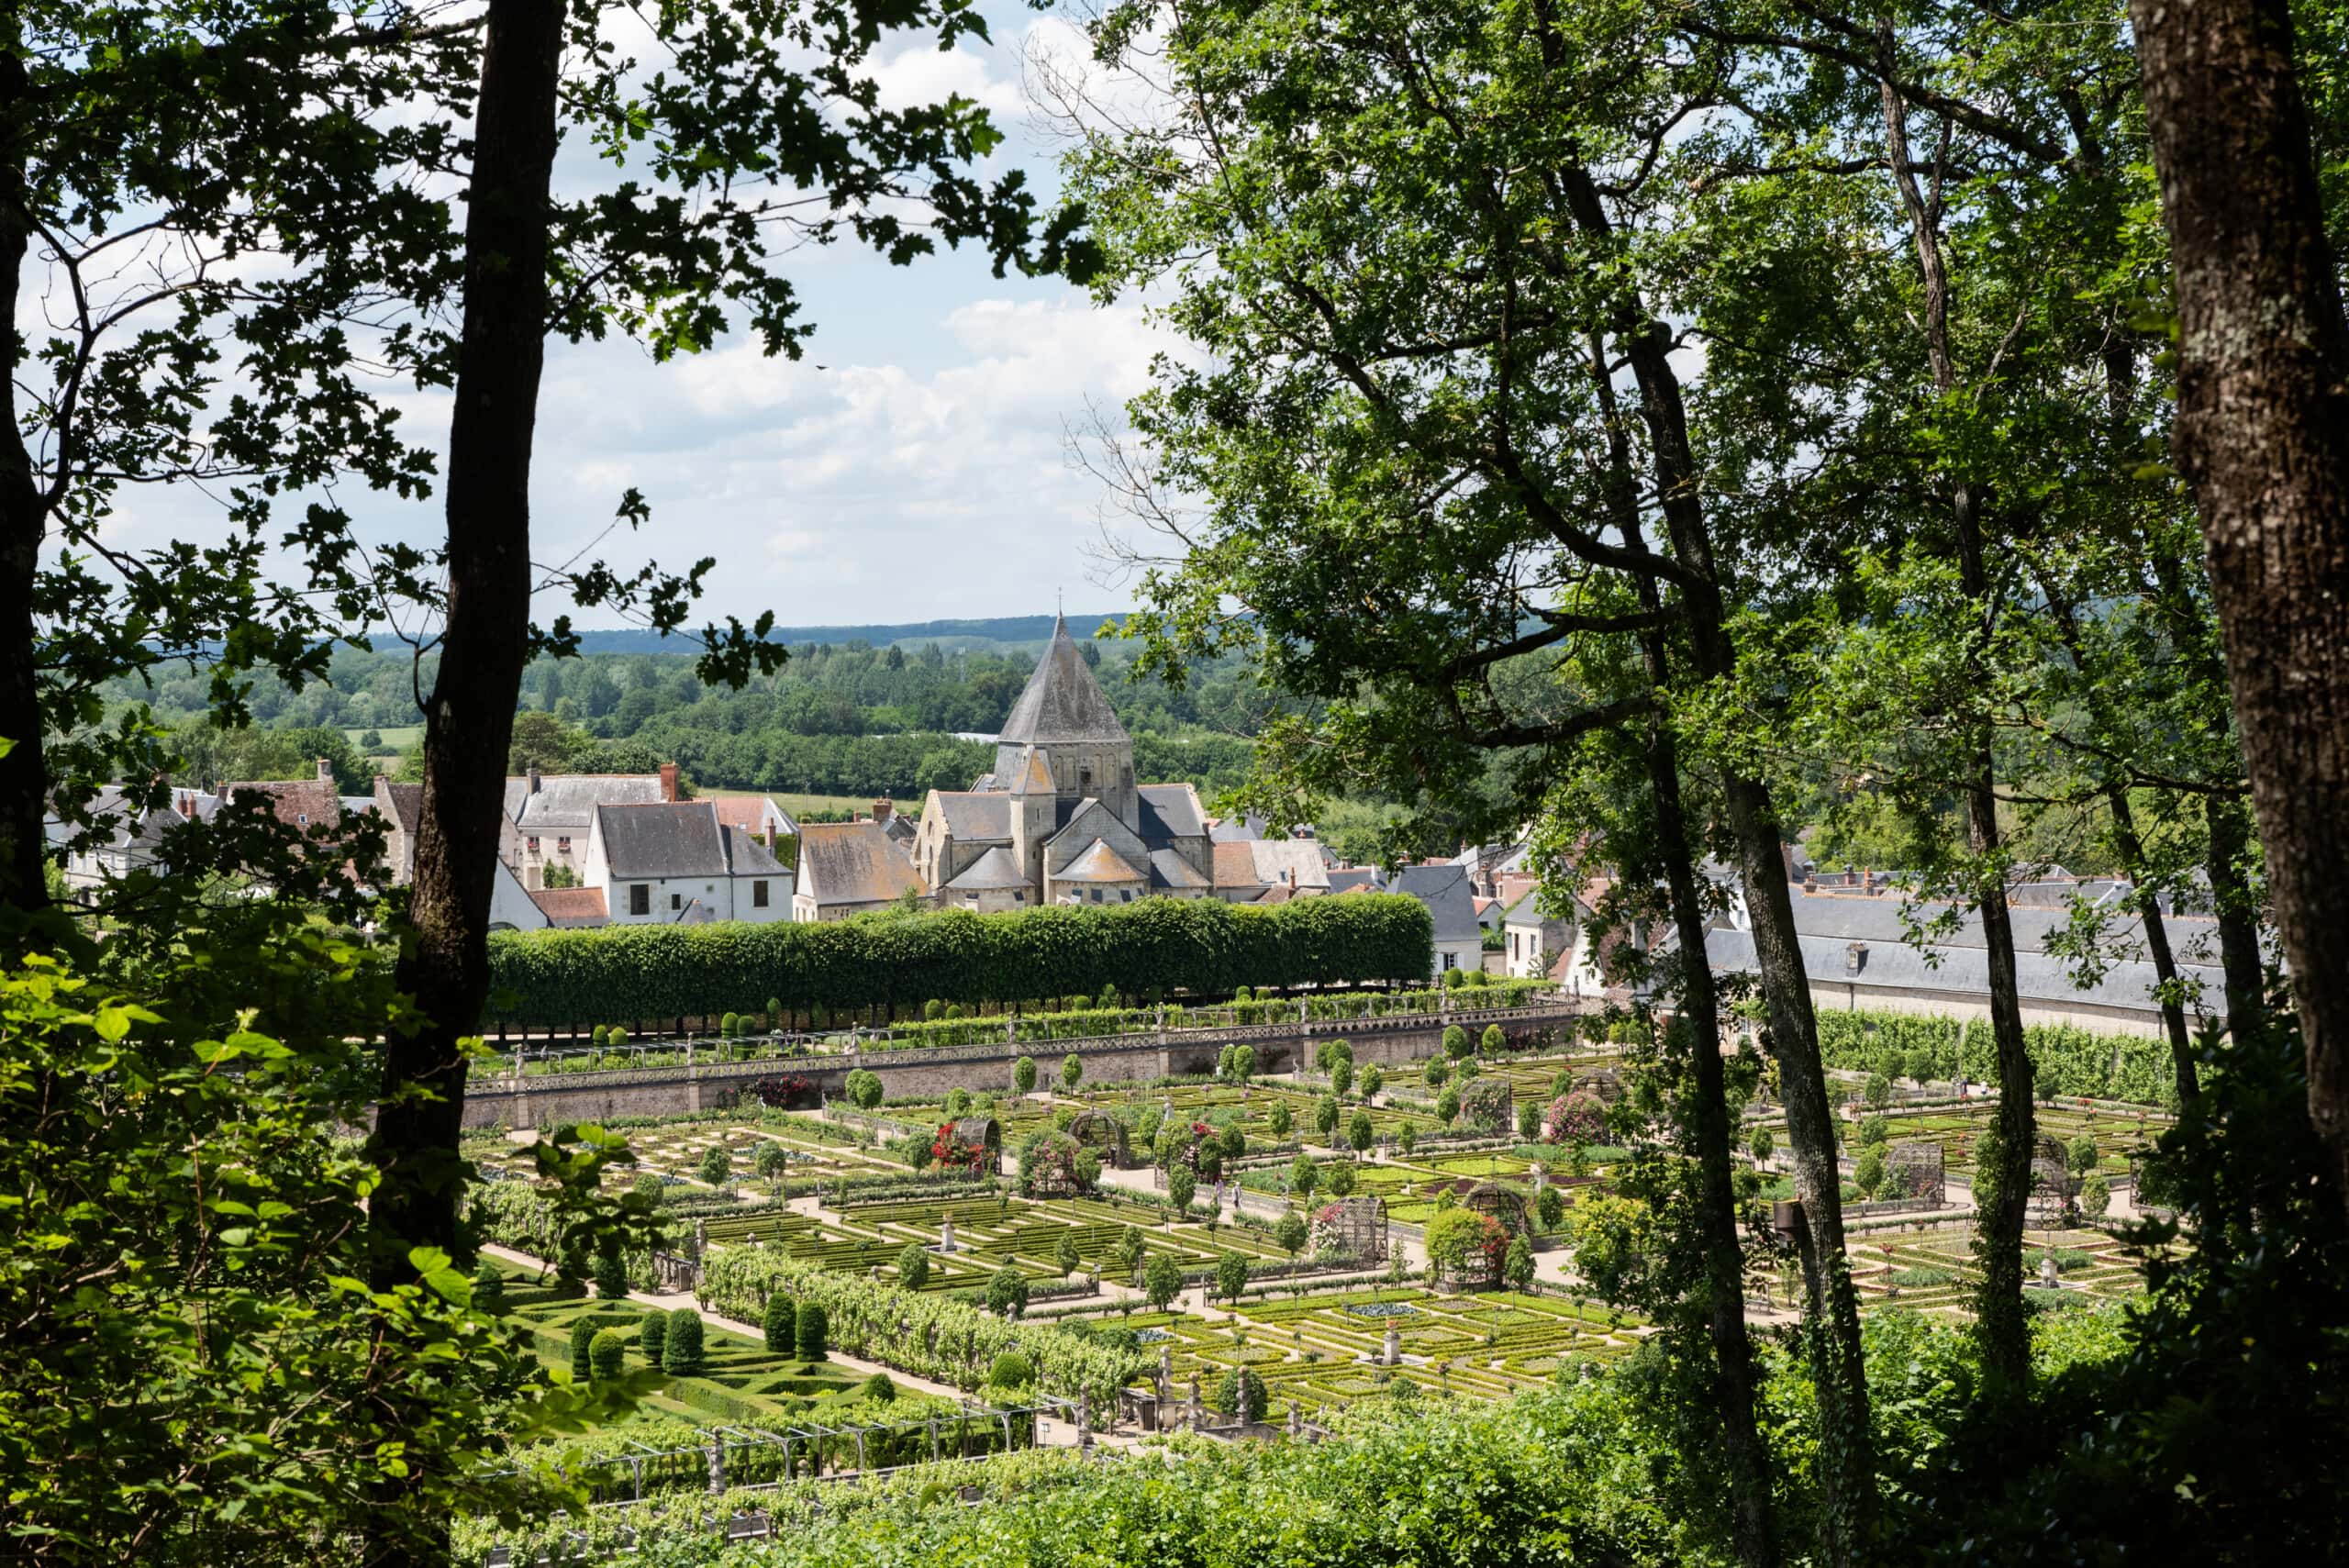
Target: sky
(912, 465)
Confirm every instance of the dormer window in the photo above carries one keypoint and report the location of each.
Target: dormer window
(1085, 781)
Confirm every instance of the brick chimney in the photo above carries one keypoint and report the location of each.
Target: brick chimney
(326, 771)
(668, 780)
(532, 777)
(1809, 883)
(882, 808)
(1867, 880)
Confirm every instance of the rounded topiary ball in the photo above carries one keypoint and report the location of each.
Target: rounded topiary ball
(1010, 1371)
(607, 1353)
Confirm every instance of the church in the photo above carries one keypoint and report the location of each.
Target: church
(1060, 820)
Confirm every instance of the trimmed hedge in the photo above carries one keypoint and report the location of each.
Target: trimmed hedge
(562, 979)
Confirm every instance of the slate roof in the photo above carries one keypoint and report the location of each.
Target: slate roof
(566, 802)
(1169, 869)
(1444, 890)
(976, 818)
(994, 871)
(1099, 864)
(745, 856)
(1876, 919)
(1063, 702)
(569, 906)
(666, 838)
(1236, 830)
(852, 863)
(1276, 858)
(122, 825)
(1170, 811)
(1964, 972)
(1354, 879)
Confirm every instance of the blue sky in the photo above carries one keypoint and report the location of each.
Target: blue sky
(922, 474)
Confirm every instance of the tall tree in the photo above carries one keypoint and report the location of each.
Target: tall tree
(2263, 440)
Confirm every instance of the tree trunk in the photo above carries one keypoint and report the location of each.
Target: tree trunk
(1999, 1325)
(2240, 963)
(1709, 1128)
(2164, 959)
(469, 721)
(2262, 439)
(24, 775)
(1847, 1462)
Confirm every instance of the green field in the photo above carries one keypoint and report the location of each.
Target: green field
(398, 738)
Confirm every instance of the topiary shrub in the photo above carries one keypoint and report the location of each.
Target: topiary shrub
(1447, 1106)
(913, 1267)
(489, 1288)
(730, 1026)
(812, 1331)
(681, 1348)
(607, 1354)
(1008, 1292)
(582, 1339)
(863, 1088)
(877, 1388)
(1453, 979)
(650, 1334)
(715, 1167)
(1010, 1369)
(1241, 1394)
(779, 1322)
(1023, 1074)
(611, 1276)
(1360, 1133)
(1182, 1186)
(1491, 1043)
(1455, 1039)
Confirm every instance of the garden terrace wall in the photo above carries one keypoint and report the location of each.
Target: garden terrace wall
(495, 1098)
(562, 980)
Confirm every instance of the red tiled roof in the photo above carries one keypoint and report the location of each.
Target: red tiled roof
(566, 906)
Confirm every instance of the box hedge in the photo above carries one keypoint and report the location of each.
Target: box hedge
(570, 978)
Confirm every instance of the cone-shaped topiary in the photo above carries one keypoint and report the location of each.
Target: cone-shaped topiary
(582, 1336)
(781, 1321)
(681, 1346)
(649, 1335)
(812, 1328)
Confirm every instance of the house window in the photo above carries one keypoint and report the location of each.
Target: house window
(1127, 896)
(640, 898)
(1097, 895)
(531, 843)
(1019, 895)
(1451, 960)
(676, 901)
(562, 844)
(758, 895)
(1085, 781)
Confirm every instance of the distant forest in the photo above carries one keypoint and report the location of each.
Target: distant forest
(849, 717)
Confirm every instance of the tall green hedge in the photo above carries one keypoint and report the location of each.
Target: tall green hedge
(2065, 1059)
(564, 979)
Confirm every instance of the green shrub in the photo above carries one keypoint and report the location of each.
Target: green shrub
(1072, 1071)
(1008, 1292)
(650, 1334)
(1010, 1369)
(877, 1388)
(1373, 1080)
(1182, 1186)
(913, 1267)
(1291, 1233)
(651, 1189)
(2095, 1197)
(813, 1327)
(681, 1348)
(1455, 1039)
(1438, 1070)
(582, 1339)
(864, 1089)
(489, 1288)
(1023, 1074)
(1360, 1133)
(717, 1167)
(1341, 1178)
(1278, 1119)
(772, 1161)
(611, 1276)
(1447, 1106)
(1453, 979)
(1762, 1145)
(1162, 1281)
(728, 1025)
(1241, 1394)
(1341, 1078)
(607, 1353)
(1406, 1137)
(1491, 1043)
(778, 1322)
